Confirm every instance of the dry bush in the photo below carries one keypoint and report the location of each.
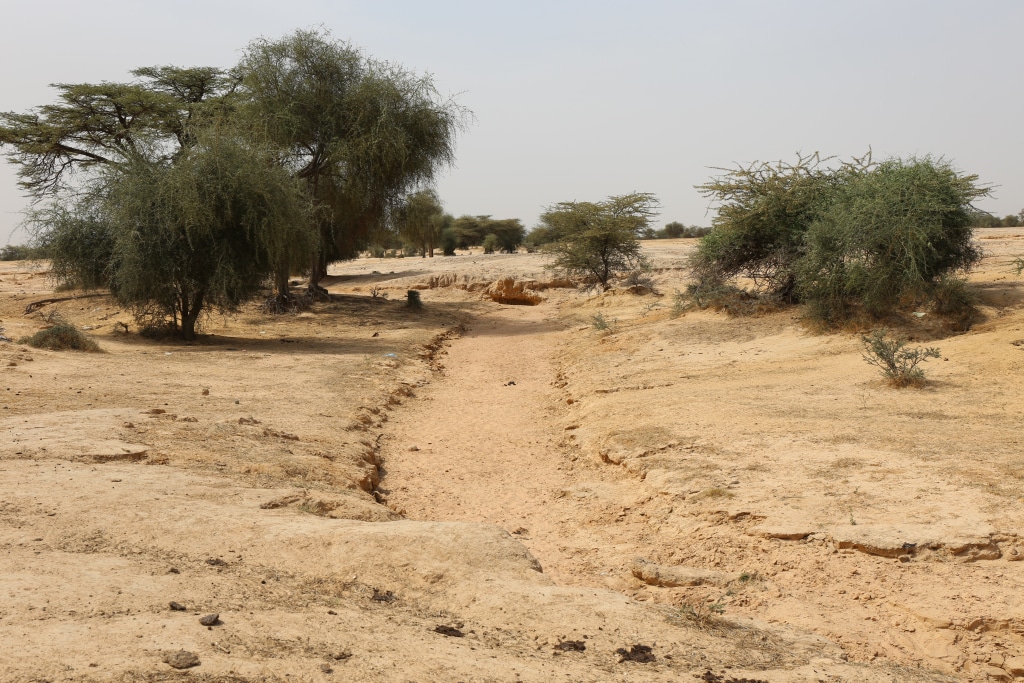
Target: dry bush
(61, 337)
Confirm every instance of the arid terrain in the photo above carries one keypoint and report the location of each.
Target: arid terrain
(490, 491)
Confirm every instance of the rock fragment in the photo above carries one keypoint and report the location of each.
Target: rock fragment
(182, 659)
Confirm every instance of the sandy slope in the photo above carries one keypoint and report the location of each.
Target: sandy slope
(848, 531)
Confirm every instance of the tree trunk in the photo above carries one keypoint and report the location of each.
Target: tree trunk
(281, 290)
(189, 315)
(317, 272)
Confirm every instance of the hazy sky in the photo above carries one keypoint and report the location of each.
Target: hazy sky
(581, 100)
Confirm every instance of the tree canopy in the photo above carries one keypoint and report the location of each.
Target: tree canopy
(173, 239)
(360, 133)
(420, 219)
(189, 188)
(596, 240)
(845, 237)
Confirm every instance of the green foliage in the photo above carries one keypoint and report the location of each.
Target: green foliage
(420, 220)
(848, 239)
(471, 231)
(360, 134)
(448, 242)
(509, 233)
(413, 300)
(673, 230)
(490, 243)
(891, 234)
(171, 240)
(764, 213)
(983, 219)
(598, 322)
(23, 252)
(95, 126)
(61, 337)
(597, 240)
(897, 362)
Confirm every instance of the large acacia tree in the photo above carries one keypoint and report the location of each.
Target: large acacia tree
(95, 126)
(173, 239)
(117, 170)
(359, 133)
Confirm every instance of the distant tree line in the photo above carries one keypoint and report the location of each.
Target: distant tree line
(983, 219)
(22, 252)
(675, 230)
(188, 189)
(422, 226)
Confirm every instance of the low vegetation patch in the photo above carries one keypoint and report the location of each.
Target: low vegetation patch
(61, 337)
(897, 362)
(852, 240)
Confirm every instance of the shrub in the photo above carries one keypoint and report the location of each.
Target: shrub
(673, 230)
(490, 243)
(954, 300)
(22, 252)
(897, 362)
(599, 322)
(448, 242)
(850, 238)
(61, 337)
(764, 213)
(894, 234)
(639, 279)
(413, 300)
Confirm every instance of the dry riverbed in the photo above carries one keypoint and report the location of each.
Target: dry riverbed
(496, 492)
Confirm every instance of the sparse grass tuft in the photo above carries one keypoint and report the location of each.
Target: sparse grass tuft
(713, 493)
(61, 337)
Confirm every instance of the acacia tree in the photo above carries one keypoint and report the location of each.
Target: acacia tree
(146, 188)
(764, 212)
(92, 126)
(420, 219)
(359, 133)
(596, 240)
(172, 240)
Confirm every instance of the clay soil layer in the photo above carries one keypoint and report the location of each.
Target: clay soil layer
(520, 482)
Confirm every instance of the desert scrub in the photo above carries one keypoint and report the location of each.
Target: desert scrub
(898, 362)
(61, 337)
(600, 323)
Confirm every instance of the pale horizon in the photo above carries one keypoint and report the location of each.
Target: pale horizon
(582, 100)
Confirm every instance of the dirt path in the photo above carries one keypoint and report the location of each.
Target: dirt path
(487, 442)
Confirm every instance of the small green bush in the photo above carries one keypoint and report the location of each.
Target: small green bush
(897, 362)
(413, 300)
(449, 240)
(490, 243)
(599, 322)
(61, 337)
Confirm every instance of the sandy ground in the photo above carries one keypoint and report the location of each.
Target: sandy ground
(492, 492)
